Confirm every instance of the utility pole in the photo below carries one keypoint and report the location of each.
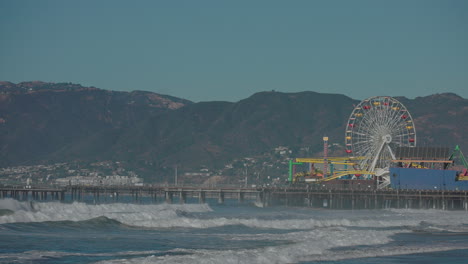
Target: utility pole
(245, 175)
(175, 180)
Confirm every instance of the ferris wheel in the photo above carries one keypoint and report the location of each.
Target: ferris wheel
(376, 126)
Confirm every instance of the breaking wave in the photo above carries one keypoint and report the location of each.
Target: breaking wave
(310, 236)
(129, 214)
(186, 216)
(312, 246)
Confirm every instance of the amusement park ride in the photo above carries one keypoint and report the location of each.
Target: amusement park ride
(375, 128)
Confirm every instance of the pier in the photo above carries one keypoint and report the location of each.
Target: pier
(130, 193)
(163, 194)
(369, 199)
(39, 194)
(308, 196)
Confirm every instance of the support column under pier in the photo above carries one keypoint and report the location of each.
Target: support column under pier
(201, 197)
(220, 197)
(182, 197)
(168, 196)
(241, 196)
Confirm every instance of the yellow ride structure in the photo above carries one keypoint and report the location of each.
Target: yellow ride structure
(334, 174)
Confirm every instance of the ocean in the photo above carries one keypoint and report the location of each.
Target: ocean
(54, 232)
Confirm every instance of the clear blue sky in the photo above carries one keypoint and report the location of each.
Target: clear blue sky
(228, 50)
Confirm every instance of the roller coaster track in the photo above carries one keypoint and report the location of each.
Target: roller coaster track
(338, 175)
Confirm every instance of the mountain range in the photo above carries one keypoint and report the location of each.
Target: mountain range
(59, 122)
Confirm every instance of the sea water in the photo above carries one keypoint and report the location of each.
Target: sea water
(54, 232)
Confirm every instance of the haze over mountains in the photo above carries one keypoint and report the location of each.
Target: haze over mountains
(58, 122)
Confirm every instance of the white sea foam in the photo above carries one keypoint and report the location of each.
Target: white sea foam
(163, 216)
(316, 245)
(33, 255)
(320, 237)
(131, 214)
(383, 251)
(314, 239)
(301, 246)
(14, 205)
(169, 216)
(308, 247)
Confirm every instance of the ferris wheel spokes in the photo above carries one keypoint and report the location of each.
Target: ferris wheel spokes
(375, 127)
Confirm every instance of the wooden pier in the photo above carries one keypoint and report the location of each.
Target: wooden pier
(163, 194)
(318, 197)
(33, 193)
(130, 193)
(369, 198)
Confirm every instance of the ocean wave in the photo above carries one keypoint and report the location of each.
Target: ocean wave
(34, 255)
(6, 212)
(193, 216)
(327, 244)
(310, 236)
(130, 214)
(99, 222)
(171, 216)
(15, 205)
(316, 243)
(365, 246)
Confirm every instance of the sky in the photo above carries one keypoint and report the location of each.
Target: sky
(229, 50)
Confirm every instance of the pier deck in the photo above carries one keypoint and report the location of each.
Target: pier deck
(332, 198)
